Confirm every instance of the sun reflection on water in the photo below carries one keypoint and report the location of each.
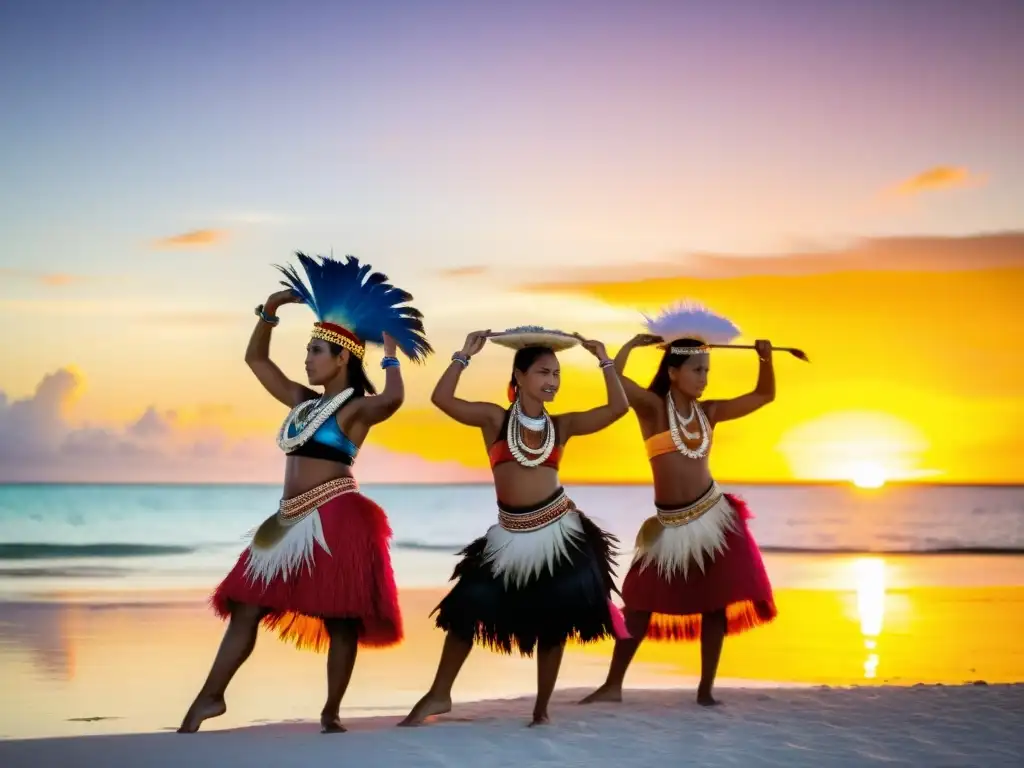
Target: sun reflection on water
(870, 580)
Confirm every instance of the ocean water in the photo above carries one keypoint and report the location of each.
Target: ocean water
(69, 538)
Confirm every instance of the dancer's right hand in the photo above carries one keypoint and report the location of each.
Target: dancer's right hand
(287, 296)
(645, 340)
(475, 342)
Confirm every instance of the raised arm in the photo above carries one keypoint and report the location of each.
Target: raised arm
(378, 408)
(473, 414)
(257, 354)
(744, 405)
(596, 419)
(639, 397)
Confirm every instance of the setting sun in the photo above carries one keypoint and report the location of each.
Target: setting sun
(866, 448)
(868, 474)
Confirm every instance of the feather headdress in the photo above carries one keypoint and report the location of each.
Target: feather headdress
(355, 306)
(691, 320)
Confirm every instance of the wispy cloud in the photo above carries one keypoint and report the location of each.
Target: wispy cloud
(44, 278)
(895, 254)
(937, 178)
(470, 271)
(197, 238)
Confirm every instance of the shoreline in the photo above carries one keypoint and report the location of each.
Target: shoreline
(76, 656)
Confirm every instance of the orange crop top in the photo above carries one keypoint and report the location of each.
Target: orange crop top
(662, 443)
(499, 452)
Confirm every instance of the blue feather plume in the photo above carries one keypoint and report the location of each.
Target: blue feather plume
(351, 295)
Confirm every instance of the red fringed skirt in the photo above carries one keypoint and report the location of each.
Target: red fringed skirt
(323, 555)
(699, 559)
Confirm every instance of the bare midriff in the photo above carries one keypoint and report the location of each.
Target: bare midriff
(519, 486)
(678, 479)
(302, 474)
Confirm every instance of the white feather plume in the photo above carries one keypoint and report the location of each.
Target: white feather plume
(690, 319)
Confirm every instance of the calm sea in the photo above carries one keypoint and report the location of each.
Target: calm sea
(63, 538)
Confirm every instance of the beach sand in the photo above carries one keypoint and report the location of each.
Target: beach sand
(927, 726)
(102, 679)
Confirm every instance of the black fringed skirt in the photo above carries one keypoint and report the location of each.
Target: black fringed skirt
(541, 577)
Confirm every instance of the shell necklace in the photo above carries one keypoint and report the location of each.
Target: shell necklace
(533, 424)
(677, 431)
(307, 417)
(514, 436)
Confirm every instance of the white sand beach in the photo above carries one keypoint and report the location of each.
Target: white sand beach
(928, 726)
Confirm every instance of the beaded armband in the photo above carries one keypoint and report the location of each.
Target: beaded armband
(389, 362)
(458, 357)
(268, 319)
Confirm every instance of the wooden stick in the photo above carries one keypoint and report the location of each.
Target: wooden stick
(799, 354)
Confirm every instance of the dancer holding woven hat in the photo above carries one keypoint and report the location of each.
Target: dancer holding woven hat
(697, 572)
(318, 571)
(544, 573)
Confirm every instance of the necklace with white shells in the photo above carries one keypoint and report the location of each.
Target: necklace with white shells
(677, 431)
(514, 436)
(308, 417)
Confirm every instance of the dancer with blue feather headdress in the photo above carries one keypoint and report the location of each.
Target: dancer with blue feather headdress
(318, 571)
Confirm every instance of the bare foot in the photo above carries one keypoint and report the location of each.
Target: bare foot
(705, 699)
(542, 719)
(428, 706)
(202, 709)
(331, 724)
(605, 693)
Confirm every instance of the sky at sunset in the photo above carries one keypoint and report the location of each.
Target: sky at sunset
(844, 177)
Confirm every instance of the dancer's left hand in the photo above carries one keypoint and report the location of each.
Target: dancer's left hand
(390, 347)
(594, 347)
(764, 349)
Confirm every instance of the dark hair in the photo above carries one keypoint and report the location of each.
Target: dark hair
(357, 378)
(661, 383)
(522, 362)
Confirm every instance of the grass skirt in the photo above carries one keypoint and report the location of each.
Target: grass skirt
(517, 590)
(333, 562)
(681, 573)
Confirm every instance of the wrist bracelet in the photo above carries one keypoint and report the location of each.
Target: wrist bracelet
(458, 357)
(606, 364)
(389, 362)
(268, 319)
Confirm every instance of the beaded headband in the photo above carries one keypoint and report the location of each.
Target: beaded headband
(703, 349)
(335, 334)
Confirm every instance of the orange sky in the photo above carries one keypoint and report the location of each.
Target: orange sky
(915, 375)
(918, 372)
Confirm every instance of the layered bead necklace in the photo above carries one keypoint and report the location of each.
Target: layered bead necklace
(521, 452)
(308, 417)
(677, 428)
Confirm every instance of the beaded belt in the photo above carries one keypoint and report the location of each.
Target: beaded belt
(687, 514)
(294, 509)
(523, 522)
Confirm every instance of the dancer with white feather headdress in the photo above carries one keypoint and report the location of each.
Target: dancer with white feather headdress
(318, 571)
(543, 575)
(697, 571)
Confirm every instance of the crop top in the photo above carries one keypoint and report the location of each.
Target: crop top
(328, 442)
(662, 443)
(499, 452)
